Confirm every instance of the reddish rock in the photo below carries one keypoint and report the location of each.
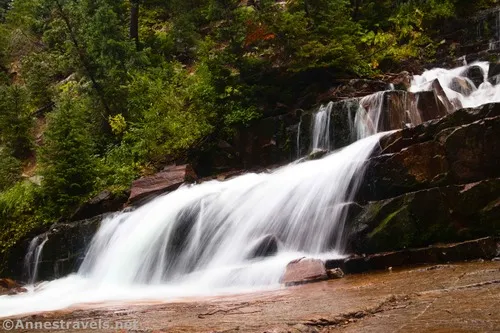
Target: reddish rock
(165, 181)
(430, 106)
(449, 105)
(304, 270)
(9, 284)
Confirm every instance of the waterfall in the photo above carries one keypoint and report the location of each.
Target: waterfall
(33, 257)
(321, 128)
(203, 239)
(460, 90)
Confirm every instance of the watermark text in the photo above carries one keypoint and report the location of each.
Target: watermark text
(64, 325)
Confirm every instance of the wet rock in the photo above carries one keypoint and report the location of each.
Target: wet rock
(104, 202)
(442, 214)
(475, 74)
(494, 73)
(456, 149)
(10, 287)
(316, 154)
(443, 98)
(304, 270)
(430, 106)
(435, 254)
(165, 181)
(462, 86)
(9, 284)
(266, 247)
(335, 273)
(65, 248)
(17, 291)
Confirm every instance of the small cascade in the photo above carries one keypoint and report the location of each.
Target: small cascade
(458, 88)
(33, 257)
(369, 114)
(297, 140)
(321, 128)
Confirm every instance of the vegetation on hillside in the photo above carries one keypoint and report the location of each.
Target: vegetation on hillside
(95, 93)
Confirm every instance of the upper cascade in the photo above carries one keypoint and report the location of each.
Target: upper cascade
(465, 87)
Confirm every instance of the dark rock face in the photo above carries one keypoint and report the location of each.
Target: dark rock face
(416, 219)
(484, 248)
(437, 182)
(65, 248)
(457, 149)
(475, 74)
(494, 73)
(265, 247)
(165, 181)
(430, 106)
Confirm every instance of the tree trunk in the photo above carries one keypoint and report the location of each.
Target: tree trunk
(134, 21)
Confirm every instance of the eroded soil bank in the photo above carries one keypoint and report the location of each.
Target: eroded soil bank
(461, 297)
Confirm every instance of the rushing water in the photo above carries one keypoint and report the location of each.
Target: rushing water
(321, 128)
(200, 239)
(33, 257)
(461, 91)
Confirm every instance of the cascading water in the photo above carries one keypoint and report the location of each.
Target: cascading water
(460, 91)
(368, 116)
(321, 128)
(202, 239)
(33, 257)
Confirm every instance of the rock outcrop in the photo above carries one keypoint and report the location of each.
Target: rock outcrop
(65, 247)
(169, 179)
(437, 182)
(484, 248)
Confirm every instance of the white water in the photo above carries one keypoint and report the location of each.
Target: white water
(197, 240)
(321, 128)
(485, 93)
(33, 257)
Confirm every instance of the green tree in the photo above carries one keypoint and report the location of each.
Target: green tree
(68, 163)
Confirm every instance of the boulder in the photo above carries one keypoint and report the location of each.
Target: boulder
(265, 247)
(304, 270)
(167, 180)
(9, 284)
(462, 85)
(475, 74)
